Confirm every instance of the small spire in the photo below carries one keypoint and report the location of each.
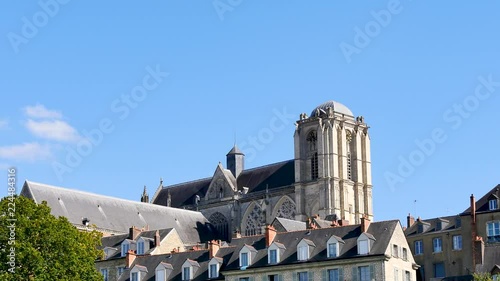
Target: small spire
(145, 192)
(161, 181)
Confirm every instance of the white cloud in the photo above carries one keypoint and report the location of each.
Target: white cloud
(4, 124)
(26, 152)
(40, 111)
(53, 130)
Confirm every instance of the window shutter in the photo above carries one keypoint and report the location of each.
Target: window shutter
(372, 272)
(280, 277)
(355, 274)
(252, 279)
(341, 274)
(311, 276)
(294, 276)
(264, 278)
(324, 272)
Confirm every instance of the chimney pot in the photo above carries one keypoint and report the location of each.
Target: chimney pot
(213, 248)
(365, 224)
(410, 220)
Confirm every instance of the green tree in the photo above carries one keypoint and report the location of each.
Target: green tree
(35, 245)
(482, 277)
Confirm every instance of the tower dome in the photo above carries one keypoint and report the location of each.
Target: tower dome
(336, 106)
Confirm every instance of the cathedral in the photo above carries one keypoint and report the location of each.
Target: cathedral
(330, 176)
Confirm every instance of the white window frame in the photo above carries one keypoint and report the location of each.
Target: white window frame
(274, 247)
(494, 227)
(364, 245)
(105, 273)
(395, 251)
(244, 261)
(125, 247)
(136, 274)
(303, 253)
(437, 247)
(396, 274)
(333, 241)
(493, 204)
(457, 242)
(157, 277)
(140, 247)
(419, 247)
(217, 263)
(189, 272)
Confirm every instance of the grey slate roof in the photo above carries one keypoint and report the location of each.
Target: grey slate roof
(286, 225)
(118, 215)
(482, 203)
(257, 179)
(430, 225)
(382, 231)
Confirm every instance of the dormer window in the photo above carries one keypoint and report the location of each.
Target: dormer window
(304, 249)
(333, 246)
(214, 267)
(140, 248)
(189, 269)
(493, 204)
(246, 255)
(143, 245)
(126, 246)
(274, 252)
(365, 241)
(138, 272)
(162, 271)
(109, 252)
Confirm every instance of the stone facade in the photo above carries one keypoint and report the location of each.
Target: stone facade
(330, 175)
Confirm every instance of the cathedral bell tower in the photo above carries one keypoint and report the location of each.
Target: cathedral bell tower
(332, 164)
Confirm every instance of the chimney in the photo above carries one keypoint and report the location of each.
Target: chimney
(133, 232)
(157, 239)
(270, 234)
(473, 208)
(237, 234)
(478, 251)
(130, 258)
(410, 220)
(365, 223)
(343, 222)
(213, 248)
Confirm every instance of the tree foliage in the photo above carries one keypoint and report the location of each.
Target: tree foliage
(482, 277)
(35, 245)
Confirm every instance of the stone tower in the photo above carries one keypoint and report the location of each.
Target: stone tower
(235, 160)
(145, 196)
(332, 164)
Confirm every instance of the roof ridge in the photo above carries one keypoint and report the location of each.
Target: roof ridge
(107, 196)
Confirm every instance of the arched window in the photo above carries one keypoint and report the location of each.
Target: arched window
(254, 221)
(312, 153)
(286, 209)
(220, 223)
(349, 154)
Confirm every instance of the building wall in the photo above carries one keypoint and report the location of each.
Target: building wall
(397, 262)
(112, 266)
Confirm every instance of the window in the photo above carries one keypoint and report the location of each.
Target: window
(273, 256)
(349, 166)
(405, 254)
(313, 153)
(314, 166)
(140, 248)
(332, 250)
(186, 273)
(420, 228)
(125, 248)
(457, 242)
(438, 245)
(419, 247)
(439, 270)
(458, 222)
(274, 277)
(396, 274)
(244, 259)
(213, 271)
(407, 276)
(493, 204)
(335, 275)
(245, 279)
(395, 251)
(160, 275)
(364, 273)
(493, 228)
(363, 247)
(104, 272)
(134, 276)
(119, 270)
(303, 253)
(439, 225)
(303, 276)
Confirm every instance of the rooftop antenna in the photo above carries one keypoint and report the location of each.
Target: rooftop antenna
(415, 206)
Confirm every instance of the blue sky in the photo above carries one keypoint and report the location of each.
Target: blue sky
(205, 73)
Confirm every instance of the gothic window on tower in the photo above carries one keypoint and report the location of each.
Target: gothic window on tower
(220, 223)
(349, 155)
(312, 139)
(254, 221)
